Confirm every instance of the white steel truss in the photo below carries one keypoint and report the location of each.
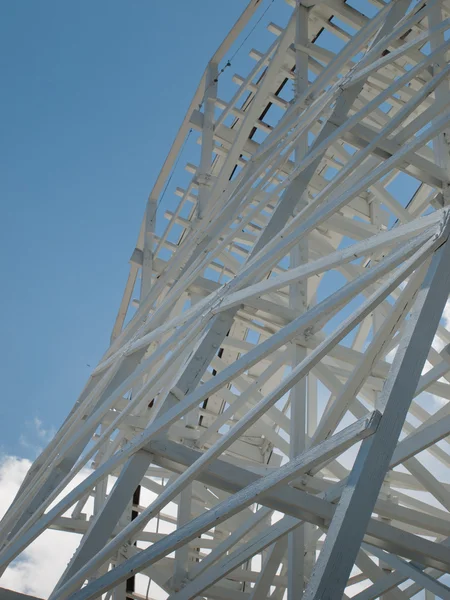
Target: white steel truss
(271, 419)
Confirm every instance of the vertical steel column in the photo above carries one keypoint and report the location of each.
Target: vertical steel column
(204, 171)
(298, 301)
(360, 493)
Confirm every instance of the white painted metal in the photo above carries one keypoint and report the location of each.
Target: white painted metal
(309, 248)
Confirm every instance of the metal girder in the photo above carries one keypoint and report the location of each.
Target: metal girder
(291, 304)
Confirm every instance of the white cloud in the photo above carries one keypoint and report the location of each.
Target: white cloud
(446, 313)
(390, 355)
(38, 568)
(36, 437)
(46, 435)
(438, 343)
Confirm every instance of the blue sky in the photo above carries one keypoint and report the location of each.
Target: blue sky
(93, 95)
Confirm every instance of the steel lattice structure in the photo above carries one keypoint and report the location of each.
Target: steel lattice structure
(270, 419)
